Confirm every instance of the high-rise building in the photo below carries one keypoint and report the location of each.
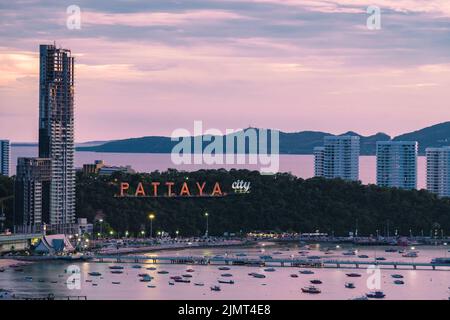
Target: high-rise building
(397, 164)
(319, 153)
(4, 157)
(339, 158)
(32, 190)
(438, 171)
(56, 129)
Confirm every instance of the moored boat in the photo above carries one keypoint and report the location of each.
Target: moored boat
(311, 289)
(215, 288)
(353, 275)
(94, 274)
(306, 272)
(316, 281)
(375, 295)
(226, 281)
(350, 285)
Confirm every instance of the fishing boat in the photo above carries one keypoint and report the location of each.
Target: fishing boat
(215, 288)
(115, 282)
(353, 275)
(311, 289)
(163, 272)
(146, 278)
(306, 272)
(266, 257)
(269, 269)
(116, 267)
(258, 275)
(151, 268)
(294, 275)
(224, 268)
(350, 285)
(199, 284)
(375, 295)
(363, 256)
(176, 277)
(182, 280)
(399, 282)
(136, 266)
(411, 254)
(187, 275)
(94, 284)
(397, 276)
(315, 281)
(226, 281)
(226, 275)
(94, 274)
(151, 286)
(380, 258)
(116, 271)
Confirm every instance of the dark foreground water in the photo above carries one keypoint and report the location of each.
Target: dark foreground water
(419, 284)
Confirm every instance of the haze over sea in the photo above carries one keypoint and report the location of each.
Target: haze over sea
(299, 165)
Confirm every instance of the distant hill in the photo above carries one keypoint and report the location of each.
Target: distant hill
(290, 143)
(302, 142)
(434, 136)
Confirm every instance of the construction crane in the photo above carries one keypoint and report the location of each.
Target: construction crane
(2, 212)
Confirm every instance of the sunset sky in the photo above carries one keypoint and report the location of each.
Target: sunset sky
(149, 67)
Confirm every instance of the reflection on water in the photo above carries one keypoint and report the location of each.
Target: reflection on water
(299, 165)
(419, 284)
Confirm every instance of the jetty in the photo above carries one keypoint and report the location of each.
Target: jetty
(278, 262)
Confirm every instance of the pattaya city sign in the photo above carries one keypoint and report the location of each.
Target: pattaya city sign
(170, 189)
(157, 189)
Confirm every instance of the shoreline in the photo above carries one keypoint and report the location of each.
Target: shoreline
(145, 249)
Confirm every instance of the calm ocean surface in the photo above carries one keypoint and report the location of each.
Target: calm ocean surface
(51, 278)
(299, 165)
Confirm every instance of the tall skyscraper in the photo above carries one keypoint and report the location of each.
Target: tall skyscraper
(438, 171)
(32, 193)
(56, 129)
(339, 158)
(397, 164)
(4, 157)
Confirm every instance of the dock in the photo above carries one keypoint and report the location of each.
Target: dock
(274, 262)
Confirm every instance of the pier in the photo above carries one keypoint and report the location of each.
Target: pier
(275, 262)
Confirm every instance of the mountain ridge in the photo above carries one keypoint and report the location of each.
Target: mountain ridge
(301, 142)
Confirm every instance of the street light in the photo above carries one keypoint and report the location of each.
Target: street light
(151, 216)
(101, 226)
(177, 232)
(207, 226)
